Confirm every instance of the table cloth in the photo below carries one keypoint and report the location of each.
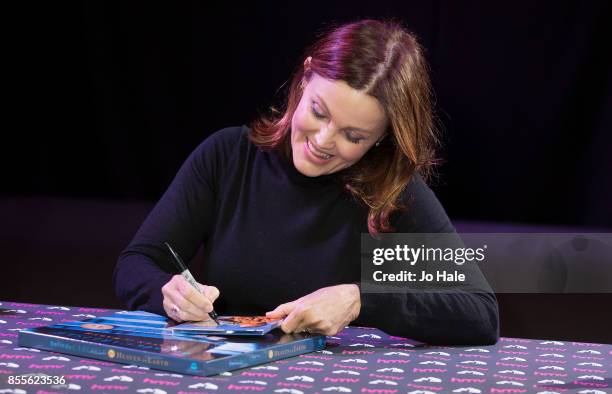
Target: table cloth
(357, 360)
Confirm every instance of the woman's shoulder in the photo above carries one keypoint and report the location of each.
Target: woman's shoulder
(223, 142)
(218, 149)
(417, 189)
(227, 137)
(424, 213)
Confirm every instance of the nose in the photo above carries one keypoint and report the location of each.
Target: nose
(324, 138)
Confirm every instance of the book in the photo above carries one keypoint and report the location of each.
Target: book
(149, 340)
(231, 325)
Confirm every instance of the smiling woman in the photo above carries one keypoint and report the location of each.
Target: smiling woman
(280, 207)
(325, 141)
(362, 85)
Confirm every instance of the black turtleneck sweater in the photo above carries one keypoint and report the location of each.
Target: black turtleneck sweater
(272, 235)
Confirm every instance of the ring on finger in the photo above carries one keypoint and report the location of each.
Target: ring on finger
(175, 310)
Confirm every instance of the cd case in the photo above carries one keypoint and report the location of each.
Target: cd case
(151, 340)
(231, 325)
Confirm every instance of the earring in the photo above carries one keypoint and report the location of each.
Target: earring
(378, 143)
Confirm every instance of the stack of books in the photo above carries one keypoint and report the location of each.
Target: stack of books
(154, 341)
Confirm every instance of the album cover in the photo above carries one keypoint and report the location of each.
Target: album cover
(231, 325)
(151, 340)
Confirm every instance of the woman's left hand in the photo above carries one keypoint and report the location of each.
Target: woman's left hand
(326, 311)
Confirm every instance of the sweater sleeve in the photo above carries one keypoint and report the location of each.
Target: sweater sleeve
(183, 217)
(454, 317)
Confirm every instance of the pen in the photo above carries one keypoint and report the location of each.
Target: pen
(188, 277)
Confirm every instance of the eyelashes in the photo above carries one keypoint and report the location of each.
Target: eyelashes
(318, 115)
(354, 140)
(314, 111)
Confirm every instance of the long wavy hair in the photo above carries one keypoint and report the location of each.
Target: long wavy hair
(385, 61)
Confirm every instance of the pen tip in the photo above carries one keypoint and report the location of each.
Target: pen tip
(213, 315)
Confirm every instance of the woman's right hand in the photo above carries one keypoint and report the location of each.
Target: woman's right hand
(184, 303)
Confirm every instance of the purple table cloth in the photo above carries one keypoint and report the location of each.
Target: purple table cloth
(358, 360)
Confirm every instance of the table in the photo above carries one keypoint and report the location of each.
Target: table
(358, 360)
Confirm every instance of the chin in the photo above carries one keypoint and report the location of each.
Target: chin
(305, 169)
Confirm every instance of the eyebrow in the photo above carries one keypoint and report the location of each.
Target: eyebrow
(344, 128)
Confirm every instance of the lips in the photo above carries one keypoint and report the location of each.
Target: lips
(317, 153)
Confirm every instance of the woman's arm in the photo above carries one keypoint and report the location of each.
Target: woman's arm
(183, 217)
(457, 316)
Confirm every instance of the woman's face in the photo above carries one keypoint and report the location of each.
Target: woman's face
(333, 126)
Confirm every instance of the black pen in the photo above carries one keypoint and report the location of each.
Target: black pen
(188, 277)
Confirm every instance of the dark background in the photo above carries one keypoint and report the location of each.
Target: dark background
(107, 99)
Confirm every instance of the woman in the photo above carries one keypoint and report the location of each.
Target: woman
(280, 208)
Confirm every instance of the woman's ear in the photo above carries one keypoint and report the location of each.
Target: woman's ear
(306, 72)
(307, 63)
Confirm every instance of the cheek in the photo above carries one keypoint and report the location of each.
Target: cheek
(301, 120)
(299, 127)
(352, 153)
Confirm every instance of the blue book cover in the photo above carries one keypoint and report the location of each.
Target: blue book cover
(149, 340)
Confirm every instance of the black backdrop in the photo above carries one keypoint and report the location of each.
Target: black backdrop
(114, 96)
(103, 102)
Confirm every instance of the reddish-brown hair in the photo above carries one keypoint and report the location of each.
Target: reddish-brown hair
(385, 61)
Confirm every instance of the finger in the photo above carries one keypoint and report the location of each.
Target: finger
(177, 306)
(189, 310)
(282, 310)
(308, 321)
(210, 292)
(172, 310)
(198, 301)
(293, 321)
